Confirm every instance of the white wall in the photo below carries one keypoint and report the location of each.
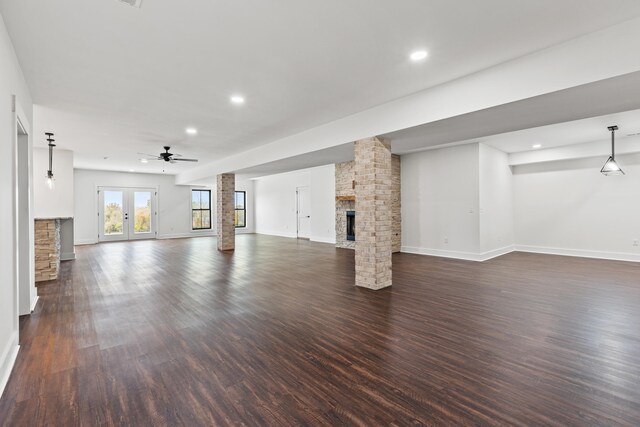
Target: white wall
(56, 202)
(248, 186)
(496, 200)
(440, 202)
(470, 196)
(570, 208)
(11, 83)
(275, 203)
(174, 203)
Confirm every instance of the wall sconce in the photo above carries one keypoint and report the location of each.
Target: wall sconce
(51, 141)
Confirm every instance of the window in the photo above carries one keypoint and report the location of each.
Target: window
(240, 217)
(200, 209)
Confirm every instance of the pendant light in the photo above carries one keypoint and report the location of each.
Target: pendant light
(611, 166)
(51, 141)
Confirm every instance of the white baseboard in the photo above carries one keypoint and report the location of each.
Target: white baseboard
(323, 240)
(244, 231)
(185, 235)
(34, 302)
(468, 256)
(81, 242)
(278, 234)
(7, 360)
(615, 256)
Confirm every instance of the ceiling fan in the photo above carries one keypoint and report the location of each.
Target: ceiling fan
(169, 157)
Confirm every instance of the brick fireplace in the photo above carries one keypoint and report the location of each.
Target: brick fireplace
(346, 202)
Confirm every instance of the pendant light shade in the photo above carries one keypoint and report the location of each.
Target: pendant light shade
(611, 167)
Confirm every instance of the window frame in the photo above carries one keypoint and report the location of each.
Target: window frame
(210, 227)
(244, 196)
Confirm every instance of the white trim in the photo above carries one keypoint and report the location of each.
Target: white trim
(20, 239)
(582, 253)
(205, 231)
(469, 256)
(34, 302)
(85, 242)
(278, 234)
(185, 235)
(7, 361)
(323, 239)
(212, 197)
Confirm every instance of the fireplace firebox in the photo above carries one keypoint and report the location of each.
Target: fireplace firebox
(351, 225)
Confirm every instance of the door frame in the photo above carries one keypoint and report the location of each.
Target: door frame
(22, 183)
(308, 188)
(126, 192)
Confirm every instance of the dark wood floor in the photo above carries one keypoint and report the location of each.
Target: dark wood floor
(176, 333)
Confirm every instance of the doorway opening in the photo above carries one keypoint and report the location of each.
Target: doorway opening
(126, 213)
(303, 211)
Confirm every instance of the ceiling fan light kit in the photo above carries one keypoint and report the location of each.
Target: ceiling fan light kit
(169, 157)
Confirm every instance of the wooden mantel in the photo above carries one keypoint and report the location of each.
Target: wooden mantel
(346, 198)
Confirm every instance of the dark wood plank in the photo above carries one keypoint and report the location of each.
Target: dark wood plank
(177, 333)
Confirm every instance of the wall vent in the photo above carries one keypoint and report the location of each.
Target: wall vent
(134, 3)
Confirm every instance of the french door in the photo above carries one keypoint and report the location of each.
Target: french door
(126, 213)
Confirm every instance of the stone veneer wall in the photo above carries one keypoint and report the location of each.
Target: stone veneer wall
(342, 206)
(225, 192)
(47, 249)
(396, 208)
(373, 213)
(345, 177)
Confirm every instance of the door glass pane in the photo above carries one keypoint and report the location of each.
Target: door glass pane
(142, 214)
(113, 212)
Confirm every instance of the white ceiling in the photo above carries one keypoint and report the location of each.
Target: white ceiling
(111, 80)
(570, 133)
(571, 116)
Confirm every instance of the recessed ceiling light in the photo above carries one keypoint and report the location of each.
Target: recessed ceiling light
(536, 146)
(131, 170)
(144, 161)
(418, 55)
(191, 131)
(237, 99)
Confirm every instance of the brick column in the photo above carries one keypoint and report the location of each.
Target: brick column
(225, 202)
(373, 213)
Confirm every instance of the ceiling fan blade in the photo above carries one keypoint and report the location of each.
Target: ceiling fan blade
(172, 161)
(185, 160)
(155, 156)
(177, 155)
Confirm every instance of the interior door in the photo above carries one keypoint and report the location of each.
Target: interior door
(126, 213)
(304, 213)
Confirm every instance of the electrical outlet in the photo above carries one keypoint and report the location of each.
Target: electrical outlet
(446, 240)
(636, 242)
